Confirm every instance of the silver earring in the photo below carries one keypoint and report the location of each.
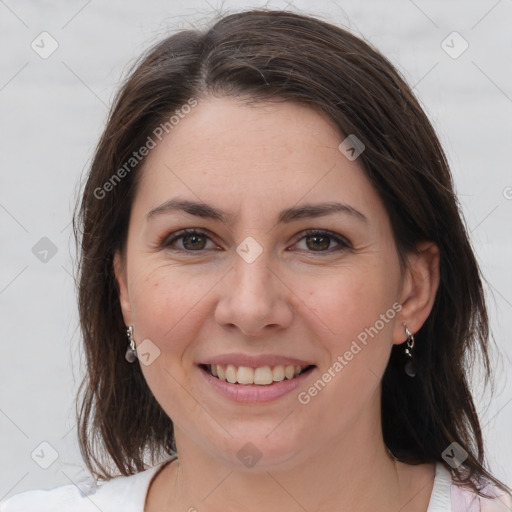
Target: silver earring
(131, 351)
(410, 363)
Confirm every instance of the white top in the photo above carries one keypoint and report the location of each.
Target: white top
(128, 493)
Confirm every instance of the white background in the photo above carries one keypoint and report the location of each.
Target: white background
(53, 111)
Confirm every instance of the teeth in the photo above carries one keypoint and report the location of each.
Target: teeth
(278, 373)
(262, 376)
(245, 375)
(231, 373)
(289, 372)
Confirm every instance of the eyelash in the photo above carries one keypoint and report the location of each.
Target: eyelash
(343, 244)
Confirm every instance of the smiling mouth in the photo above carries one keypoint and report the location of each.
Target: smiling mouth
(261, 376)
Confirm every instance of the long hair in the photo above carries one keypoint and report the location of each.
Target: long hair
(263, 55)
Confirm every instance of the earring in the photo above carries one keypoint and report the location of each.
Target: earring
(410, 363)
(131, 351)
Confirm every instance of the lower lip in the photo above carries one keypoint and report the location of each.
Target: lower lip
(253, 393)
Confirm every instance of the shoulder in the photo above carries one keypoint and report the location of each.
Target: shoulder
(449, 497)
(464, 499)
(127, 493)
(67, 496)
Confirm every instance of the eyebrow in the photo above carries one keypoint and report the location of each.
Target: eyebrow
(206, 211)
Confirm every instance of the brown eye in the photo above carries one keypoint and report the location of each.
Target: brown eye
(322, 242)
(318, 242)
(194, 242)
(188, 241)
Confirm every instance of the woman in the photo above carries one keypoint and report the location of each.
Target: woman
(277, 292)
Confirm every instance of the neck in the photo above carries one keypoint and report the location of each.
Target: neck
(354, 472)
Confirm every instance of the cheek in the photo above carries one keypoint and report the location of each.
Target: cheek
(357, 308)
(348, 301)
(168, 309)
(166, 305)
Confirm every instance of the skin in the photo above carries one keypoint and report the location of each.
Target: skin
(298, 298)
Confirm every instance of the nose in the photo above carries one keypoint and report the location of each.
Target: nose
(253, 299)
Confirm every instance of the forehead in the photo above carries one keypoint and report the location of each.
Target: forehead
(266, 155)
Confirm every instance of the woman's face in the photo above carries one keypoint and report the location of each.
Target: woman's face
(293, 264)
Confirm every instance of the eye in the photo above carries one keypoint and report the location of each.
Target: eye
(189, 240)
(193, 240)
(322, 241)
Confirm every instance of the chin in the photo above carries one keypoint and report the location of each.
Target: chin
(260, 452)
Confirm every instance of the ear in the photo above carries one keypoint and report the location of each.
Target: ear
(120, 273)
(419, 289)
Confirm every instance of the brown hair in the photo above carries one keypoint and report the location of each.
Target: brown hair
(278, 55)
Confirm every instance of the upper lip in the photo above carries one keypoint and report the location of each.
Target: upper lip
(255, 361)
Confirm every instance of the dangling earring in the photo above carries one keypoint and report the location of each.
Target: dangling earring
(410, 363)
(131, 351)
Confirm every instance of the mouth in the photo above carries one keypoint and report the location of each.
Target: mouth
(259, 376)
